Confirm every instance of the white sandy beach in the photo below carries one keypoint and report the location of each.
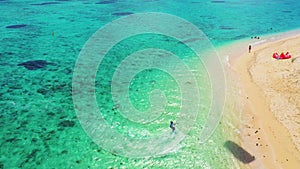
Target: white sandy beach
(268, 92)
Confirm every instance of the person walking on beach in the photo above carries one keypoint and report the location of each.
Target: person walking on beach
(172, 126)
(250, 48)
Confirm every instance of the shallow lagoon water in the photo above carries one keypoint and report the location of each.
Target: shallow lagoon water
(38, 121)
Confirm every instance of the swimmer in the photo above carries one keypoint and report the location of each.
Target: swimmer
(172, 126)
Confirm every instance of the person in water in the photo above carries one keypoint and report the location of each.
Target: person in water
(172, 125)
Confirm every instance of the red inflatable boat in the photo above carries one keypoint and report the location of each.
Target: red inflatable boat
(282, 55)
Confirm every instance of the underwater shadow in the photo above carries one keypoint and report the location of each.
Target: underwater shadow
(238, 152)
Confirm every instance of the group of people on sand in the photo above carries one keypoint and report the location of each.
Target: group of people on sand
(255, 37)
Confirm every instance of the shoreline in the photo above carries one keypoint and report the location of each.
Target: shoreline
(262, 134)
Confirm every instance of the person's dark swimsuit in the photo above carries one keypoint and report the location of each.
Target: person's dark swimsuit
(172, 126)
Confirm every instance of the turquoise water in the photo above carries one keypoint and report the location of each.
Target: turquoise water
(39, 126)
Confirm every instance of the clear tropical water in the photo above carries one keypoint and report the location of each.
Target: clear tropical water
(39, 126)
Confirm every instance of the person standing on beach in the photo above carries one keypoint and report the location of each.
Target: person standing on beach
(250, 48)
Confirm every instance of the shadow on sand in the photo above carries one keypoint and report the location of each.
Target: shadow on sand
(238, 152)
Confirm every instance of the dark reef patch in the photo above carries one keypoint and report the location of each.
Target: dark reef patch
(42, 91)
(106, 2)
(30, 157)
(34, 64)
(226, 28)
(66, 123)
(33, 154)
(51, 114)
(34, 140)
(16, 26)
(218, 1)
(239, 37)
(286, 11)
(10, 140)
(151, 0)
(122, 13)
(45, 3)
